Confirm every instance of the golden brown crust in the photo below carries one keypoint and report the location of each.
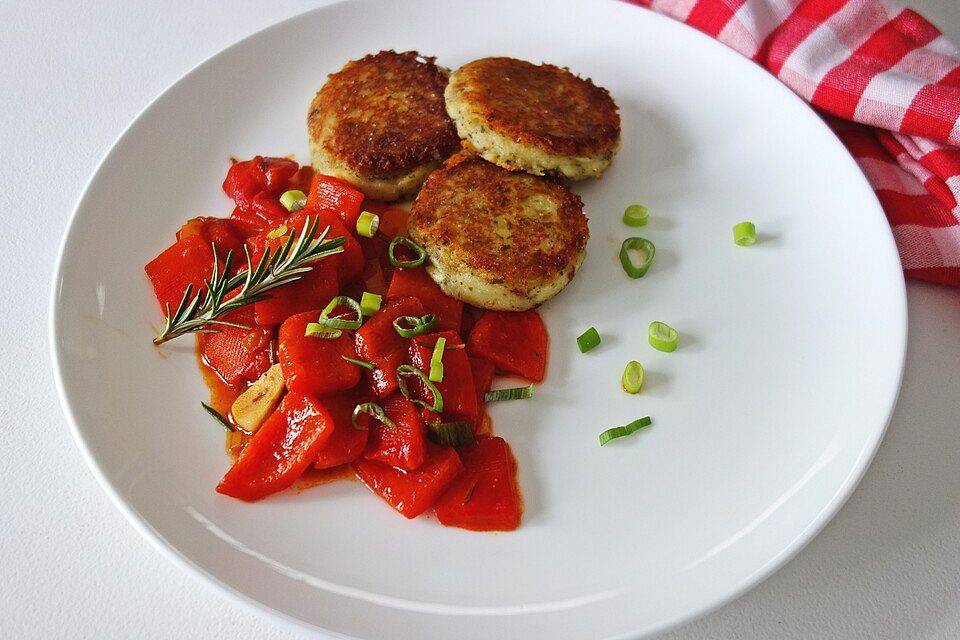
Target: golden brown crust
(515, 231)
(543, 106)
(383, 116)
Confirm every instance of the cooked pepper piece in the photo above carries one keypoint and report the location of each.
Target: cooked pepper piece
(280, 450)
(186, 262)
(485, 497)
(346, 444)
(411, 492)
(350, 262)
(301, 180)
(515, 342)
(378, 342)
(225, 233)
(403, 445)
(315, 366)
(417, 283)
(247, 179)
(312, 291)
(483, 371)
(237, 355)
(332, 194)
(457, 388)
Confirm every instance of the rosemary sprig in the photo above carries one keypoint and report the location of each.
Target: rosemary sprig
(200, 313)
(223, 422)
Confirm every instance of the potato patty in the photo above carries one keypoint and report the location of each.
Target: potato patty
(498, 239)
(380, 123)
(537, 118)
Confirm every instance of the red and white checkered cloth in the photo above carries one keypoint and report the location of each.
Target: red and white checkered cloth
(875, 63)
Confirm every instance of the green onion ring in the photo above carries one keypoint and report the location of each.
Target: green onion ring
(647, 251)
(370, 303)
(410, 244)
(662, 337)
(436, 360)
(632, 379)
(367, 224)
(404, 371)
(419, 326)
(588, 340)
(515, 393)
(339, 323)
(373, 410)
(625, 430)
(636, 215)
(361, 363)
(745, 234)
(293, 200)
(317, 330)
(450, 434)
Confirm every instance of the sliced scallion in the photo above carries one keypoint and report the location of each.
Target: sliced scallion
(410, 326)
(450, 434)
(632, 378)
(625, 430)
(588, 340)
(405, 371)
(317, 330)
(229, 428)
(369, 366)
(340, 323)
(373, 410)
(636, 255)
(744, 234)
(636, 215)
(662, 336)
(420, 258)
(367, 224)
(293, 200)
(514, 393)
(278, 232)
(370, 303)
(436, 360)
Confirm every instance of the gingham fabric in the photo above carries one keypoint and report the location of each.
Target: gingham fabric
(874, 63)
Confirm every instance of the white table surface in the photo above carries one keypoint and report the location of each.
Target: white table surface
(73, 75)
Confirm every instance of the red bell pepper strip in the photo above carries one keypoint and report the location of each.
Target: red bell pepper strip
(483, 373)
(237, 355)
(284, 445)
(258, 175)
(457, 388)
(515, 342)
(315, 366)
(301, 180)
(223, 232)
(185, 262)
(350, 262)
(255, 185)
(268, 208)
(313, 290)
(403, 445)
(378, 342)
(411, 492)
(332, 194)
(486, 496)
(418, 284)
(346, 444)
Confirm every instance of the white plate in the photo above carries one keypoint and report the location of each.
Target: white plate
(764, 419)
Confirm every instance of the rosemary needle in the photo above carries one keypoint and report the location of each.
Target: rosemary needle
(196, 313)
